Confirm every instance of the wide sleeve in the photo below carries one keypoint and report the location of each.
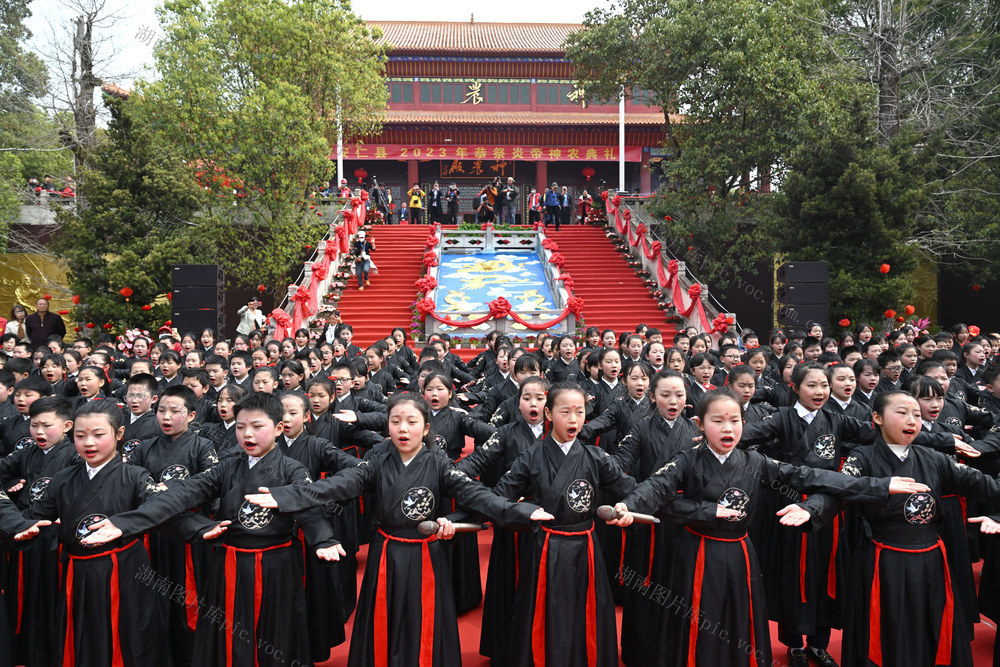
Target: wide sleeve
(653, 494)
(777, 475)
(474, 495)
(517, 481)
(602, 423)
(854, 430)
(314, 525)
(967, 481)
(160, 507)
(760, 433)
(481, 458)
(612, 477)
(11, 521)
(479, 431)
(345, 485)
(628, 449)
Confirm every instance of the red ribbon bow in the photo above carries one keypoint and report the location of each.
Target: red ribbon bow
(425, 306)
(557, 259)
(425, 284)
(575, 305)
(695, 291)
(430, 258)
(500, 308)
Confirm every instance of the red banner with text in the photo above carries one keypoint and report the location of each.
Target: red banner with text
(488, 153)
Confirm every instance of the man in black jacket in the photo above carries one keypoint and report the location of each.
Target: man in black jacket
(42, 324)
(436, 204)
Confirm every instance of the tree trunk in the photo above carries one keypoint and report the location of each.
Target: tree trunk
(888, 81)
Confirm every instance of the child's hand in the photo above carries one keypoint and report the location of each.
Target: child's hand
(218, 530)
(624, 520)
(264, 498)
(987, 526)
(541, 515)
(728, 513)
(31, 532)
(102, 532)
(336, 552)
(907, 485)
(967, 450)
(447, 530)
(349, 416)
(17, 487)
(794, 515)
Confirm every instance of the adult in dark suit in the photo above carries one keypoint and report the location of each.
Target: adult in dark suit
(436, 203)
(42, 324)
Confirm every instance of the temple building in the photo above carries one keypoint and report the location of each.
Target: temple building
(470, 101)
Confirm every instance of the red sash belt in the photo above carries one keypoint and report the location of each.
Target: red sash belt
(538, 622)
(699, 578)
(258, 590)
(191, 590)
(943, 656)
(427, 598)
(69, 653)
(831, 574)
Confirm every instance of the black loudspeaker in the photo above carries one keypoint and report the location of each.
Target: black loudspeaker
(198, 297)
(198, 275)
(796, 293)
(804, 272)
(803, 293)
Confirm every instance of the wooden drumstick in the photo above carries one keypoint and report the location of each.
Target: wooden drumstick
(428, 528)
(608, 513)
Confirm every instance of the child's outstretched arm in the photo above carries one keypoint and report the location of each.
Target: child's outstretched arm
(345, 485)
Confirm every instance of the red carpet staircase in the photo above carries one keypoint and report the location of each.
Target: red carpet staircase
(614, 297)
(373, 312)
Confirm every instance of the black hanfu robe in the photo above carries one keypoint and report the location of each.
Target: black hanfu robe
(489, 463)
(891, 619)
(561, 371)
(806, 576)
(254, 610)
(715, 609)
(15, 434)
(563, 610)
(102, 583)
(454, 425)
(32, 583)
(169, 461)
(648, 550)
(406, 610)
(329, 603)
(143, 428)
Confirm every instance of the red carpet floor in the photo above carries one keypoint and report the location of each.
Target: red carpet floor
(614, 297)
(374, 311)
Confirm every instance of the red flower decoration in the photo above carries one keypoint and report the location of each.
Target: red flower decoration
(884, 268)
(47, 297)
(900, 319)
(499, 308)
(425, 284)
(973, 330)
(695, 291)
(668, 218)
(909, 310)
(168, 323)
(76, 299)
(261, 288)
(641, 230)
(170, 296)
(425, 306)
(557, 259)
(844, 323)
(63, 312)
(575, 305)
(430, 258)
(889, 314)
(976, 288)
(147, 307)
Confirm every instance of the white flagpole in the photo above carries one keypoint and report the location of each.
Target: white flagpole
(621, 142)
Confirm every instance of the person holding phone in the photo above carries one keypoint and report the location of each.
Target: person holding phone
(250, 317)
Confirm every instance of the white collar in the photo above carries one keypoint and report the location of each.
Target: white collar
(610, 385)
(843, 404)
(721, 458)
(254, 460)
(902, 451)
(803, 412)
(537, 429)
(564, 446)
(92, 471)
(668, 422)
(228, 425)
(928, 425)
(291, 441)
(134, 418)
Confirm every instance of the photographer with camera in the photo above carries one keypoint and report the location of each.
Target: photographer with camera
(361, 250)
(250, 317)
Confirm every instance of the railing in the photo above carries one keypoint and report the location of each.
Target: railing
(455, 242)
(686, 278)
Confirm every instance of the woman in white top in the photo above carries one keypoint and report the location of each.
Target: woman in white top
(16, 324)
(250, 318)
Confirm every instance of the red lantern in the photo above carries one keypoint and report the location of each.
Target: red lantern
(588, 172)
(261, 288)
(976, 288)
(884, 269)
(360, 174)
(909, 310)
(147, 307)
(845, 323)
(76, 299)
(90, 325)
(126, 292)
(889, 314)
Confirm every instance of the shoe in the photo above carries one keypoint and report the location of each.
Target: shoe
(361, 288)
(821, 657)
(368, 282)
(797, 658)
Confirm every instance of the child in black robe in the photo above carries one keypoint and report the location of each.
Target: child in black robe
(406, 609)
(716, 608)
(254, 610)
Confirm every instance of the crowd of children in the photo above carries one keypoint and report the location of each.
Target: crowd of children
(199, 501)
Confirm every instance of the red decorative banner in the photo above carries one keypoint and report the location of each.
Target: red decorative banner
(488, 153)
